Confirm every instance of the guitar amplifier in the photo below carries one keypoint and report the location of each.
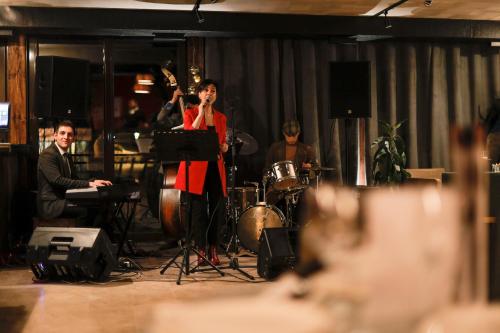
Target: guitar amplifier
(70, 254)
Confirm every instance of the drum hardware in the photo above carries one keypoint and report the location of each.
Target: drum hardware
(318, 170)
(282, 183)
(245, 197)
(290, 203)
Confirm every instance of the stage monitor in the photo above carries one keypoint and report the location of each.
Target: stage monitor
(70, 254)
(4, 115)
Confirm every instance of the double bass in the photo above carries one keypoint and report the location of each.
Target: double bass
(171, 209)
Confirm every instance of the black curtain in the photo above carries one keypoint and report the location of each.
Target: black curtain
(431, 85)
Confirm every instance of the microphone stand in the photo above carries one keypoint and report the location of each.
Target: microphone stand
(233, 242)
(233, 260)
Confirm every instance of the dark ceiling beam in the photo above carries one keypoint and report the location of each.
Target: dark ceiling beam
(148, 22)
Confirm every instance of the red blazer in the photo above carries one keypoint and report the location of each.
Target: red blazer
(198, 169)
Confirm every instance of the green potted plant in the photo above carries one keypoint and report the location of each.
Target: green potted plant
(389, 161)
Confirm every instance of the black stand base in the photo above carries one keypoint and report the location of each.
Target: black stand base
(184, 267)
(233, 264)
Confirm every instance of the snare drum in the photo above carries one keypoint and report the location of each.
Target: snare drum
(244, 197)
(283, 176)
(253, 220)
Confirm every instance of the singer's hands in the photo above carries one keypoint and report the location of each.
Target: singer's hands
(201, 110)
(204, 103)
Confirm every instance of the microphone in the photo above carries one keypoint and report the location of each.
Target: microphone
(207, 100)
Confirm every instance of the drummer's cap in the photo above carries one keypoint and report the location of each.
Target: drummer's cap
(291, 128)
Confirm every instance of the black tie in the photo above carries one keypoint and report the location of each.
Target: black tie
(67, 164)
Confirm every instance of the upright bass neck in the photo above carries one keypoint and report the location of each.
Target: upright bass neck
(182, 106)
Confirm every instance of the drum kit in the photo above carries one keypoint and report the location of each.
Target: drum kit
(282, 187)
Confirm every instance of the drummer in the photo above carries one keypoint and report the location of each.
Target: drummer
(291, 149)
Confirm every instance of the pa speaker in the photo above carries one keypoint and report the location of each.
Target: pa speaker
(62, 86)
(70, 254)
(350, 89)
(277, 251)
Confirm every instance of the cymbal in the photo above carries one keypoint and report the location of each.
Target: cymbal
(247, 142)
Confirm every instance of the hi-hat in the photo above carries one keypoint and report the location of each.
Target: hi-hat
(247, 142)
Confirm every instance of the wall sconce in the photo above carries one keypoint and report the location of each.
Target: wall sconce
(142, 89)
(194, 71)
(145, 79)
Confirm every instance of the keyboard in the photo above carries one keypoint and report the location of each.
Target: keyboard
(115, 192)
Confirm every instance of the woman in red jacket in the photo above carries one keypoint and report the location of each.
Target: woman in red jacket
(207, 180)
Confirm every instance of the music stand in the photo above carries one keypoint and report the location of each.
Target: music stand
(181, 145)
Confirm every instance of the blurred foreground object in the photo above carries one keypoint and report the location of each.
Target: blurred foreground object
(467, 148)
(389, 265)
(386, 262)
(464, 319)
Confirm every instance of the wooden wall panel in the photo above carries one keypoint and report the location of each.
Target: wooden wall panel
(3, 76)
(16, 89)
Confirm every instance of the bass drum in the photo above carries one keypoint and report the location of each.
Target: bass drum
(253, 220)
(171, 212)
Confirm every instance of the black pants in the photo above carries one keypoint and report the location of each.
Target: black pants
(206, 220)
(81, 214)
(87, 216)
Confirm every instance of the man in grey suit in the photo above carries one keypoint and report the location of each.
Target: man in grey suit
(57, 173)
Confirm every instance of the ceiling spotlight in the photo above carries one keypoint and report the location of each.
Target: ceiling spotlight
(427, 3)
(387, 20)
(196, 11)
(199, 17)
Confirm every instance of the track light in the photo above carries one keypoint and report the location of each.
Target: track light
(199, 17)
(427, 3)
(388, 24)
(196, 11)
